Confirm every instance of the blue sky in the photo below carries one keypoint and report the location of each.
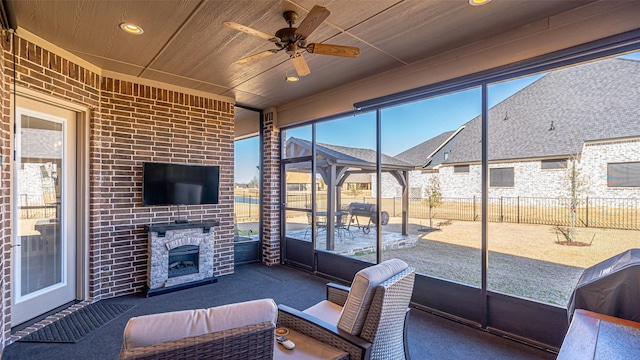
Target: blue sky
(402, 126)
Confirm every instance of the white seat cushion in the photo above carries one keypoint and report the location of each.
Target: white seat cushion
(354, 312)
(158, 328)
(326, 311)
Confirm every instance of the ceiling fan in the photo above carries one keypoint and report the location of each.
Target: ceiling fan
(293, 40)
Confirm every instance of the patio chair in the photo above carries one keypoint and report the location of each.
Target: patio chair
(368, 320)
(342, 224)
(321, 224)
(237, 331)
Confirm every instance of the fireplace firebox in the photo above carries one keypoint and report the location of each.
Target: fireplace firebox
(183, 260)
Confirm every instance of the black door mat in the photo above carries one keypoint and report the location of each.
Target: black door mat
(73, 327)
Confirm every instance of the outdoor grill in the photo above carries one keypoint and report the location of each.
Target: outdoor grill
(610, 287)
(366, 210)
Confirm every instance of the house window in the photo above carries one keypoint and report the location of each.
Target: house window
(501, 177)
(553, 164)
(623, 174)
(446, 155)
(461, 169)
(415, 193)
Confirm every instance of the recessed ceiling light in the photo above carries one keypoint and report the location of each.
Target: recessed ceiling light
(131, 28)
(291, 78)
(478, 2)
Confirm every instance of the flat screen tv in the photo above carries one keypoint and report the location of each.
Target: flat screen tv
(178, 184)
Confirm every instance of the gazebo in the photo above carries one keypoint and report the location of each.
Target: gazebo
(336, 163)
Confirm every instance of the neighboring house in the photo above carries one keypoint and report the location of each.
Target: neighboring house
(437, 150)
(358, 182)
(41, 156)
(298, 181)
(589, 113)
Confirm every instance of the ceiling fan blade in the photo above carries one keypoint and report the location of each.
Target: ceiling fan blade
(314, 18)
(334, 50)
(255, 57)
(300, 65)
(251, 31)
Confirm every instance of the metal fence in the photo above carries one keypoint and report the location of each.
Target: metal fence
(246, 205)
(612, 213)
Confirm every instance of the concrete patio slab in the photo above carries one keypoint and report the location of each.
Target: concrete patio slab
(355, 241)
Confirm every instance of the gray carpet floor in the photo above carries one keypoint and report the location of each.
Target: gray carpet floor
(430, 336)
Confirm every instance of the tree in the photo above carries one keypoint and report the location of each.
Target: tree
(577, 188)
(433, 196)
(254, 183)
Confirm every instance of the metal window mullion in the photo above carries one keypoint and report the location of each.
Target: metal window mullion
(484, 203)
(314, 230)
(378, 186)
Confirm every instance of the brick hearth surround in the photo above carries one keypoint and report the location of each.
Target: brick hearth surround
(130, 123)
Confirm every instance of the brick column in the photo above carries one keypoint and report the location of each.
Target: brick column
(270, 189)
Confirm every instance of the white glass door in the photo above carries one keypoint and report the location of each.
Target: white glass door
(44, 243)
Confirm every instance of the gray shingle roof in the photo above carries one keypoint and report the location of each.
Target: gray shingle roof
(417, 155)
(594, 101)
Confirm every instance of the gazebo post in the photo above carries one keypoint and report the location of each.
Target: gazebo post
(331, 189)
(405, 204)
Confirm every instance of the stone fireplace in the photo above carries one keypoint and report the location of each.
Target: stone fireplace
(180, 256)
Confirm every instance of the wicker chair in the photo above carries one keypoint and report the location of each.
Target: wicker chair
(236, 331)
(367, 320)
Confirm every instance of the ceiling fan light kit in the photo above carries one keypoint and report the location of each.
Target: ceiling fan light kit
(293, 40)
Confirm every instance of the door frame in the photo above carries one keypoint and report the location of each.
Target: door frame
(83, 114)
(294, 251)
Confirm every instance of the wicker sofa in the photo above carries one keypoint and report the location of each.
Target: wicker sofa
(367, 320)
(237, 331)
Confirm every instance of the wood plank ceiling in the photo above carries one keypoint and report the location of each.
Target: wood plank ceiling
(184, 42)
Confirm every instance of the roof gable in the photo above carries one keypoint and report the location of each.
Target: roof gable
(418, 155)
(556, 114)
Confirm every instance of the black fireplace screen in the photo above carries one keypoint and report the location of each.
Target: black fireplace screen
(183, 260)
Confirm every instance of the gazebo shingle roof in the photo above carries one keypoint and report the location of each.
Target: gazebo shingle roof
(349, 154)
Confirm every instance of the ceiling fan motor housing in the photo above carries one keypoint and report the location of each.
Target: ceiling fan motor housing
(289, 40)
(287, 35)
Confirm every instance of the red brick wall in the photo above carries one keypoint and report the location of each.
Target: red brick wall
(129, 124)
(271, 192)
(135, 124)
